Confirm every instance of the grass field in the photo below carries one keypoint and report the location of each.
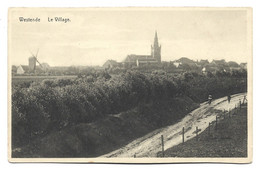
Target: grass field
(228, 140)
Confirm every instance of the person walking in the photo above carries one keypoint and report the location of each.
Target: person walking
(229, 98)
(245, 99)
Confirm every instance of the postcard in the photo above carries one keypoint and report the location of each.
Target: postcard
(130, 85)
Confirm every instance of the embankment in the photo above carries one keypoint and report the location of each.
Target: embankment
(110, 133)
(228, 139)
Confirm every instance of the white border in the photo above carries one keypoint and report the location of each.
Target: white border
(112, 3)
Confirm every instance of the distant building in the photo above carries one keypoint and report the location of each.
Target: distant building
(218, 62)
(138, 60)
(208, 68)
(176, 64)
(146, 61)
(21, 69)
(45, 66)
(32, 64)
(185, 60)
(187, 64)
(110, 64)
(203, 62)
(233, 64)
(243, 65)
(14, 69)
(156, 49)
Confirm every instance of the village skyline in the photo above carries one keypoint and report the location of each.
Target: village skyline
(92, 37)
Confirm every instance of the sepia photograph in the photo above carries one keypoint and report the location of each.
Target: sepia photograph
(130, 85)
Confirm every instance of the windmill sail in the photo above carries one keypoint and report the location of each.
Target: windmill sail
(33, 60)
(36, 57)
(37, 53)
(38, 62)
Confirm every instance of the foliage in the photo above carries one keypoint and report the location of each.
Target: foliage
(41, 107)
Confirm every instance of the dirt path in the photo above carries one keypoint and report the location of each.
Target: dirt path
(150, 144)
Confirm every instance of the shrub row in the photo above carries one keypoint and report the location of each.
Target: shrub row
(56, 104)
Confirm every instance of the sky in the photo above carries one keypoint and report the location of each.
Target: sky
(95, 35)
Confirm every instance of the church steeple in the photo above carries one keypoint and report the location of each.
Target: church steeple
(156, 39)
(156, 49)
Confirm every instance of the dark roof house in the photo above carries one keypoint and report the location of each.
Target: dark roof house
(110, 64)
(243, 65)
(203, 62)
(218, 62)
(185, 60)
(233, 64)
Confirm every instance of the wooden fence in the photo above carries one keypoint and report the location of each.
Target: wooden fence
(225, 114)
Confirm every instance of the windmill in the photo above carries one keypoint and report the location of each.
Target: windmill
(32, 62)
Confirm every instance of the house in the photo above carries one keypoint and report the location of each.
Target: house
(45, 66)
(110, 64)
(233, 64)
(14, 69)
(21, 69)
(243, 65)
(221, 62)
(209, 68)
(176, 64)
(185, 60)
(203, 62)
(187, 64)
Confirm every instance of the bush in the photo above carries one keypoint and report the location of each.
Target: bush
(55, 104)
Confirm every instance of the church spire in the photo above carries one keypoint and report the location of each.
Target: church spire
(156, 49)
(156, 40)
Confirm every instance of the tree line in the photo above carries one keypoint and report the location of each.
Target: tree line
(41, 107)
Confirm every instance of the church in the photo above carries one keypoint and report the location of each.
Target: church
(139, 60)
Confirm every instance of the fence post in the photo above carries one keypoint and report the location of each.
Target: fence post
(182, 134)
(209, 128)
(162, 146)
(240, 103)
(197, 130)
(134, 155)
(216, 127)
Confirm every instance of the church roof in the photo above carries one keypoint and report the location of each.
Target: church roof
(147, 59)
(134, 58)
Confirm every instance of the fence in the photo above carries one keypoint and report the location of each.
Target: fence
(226, 114)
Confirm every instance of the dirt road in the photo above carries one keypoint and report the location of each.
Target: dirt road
(150, 144)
